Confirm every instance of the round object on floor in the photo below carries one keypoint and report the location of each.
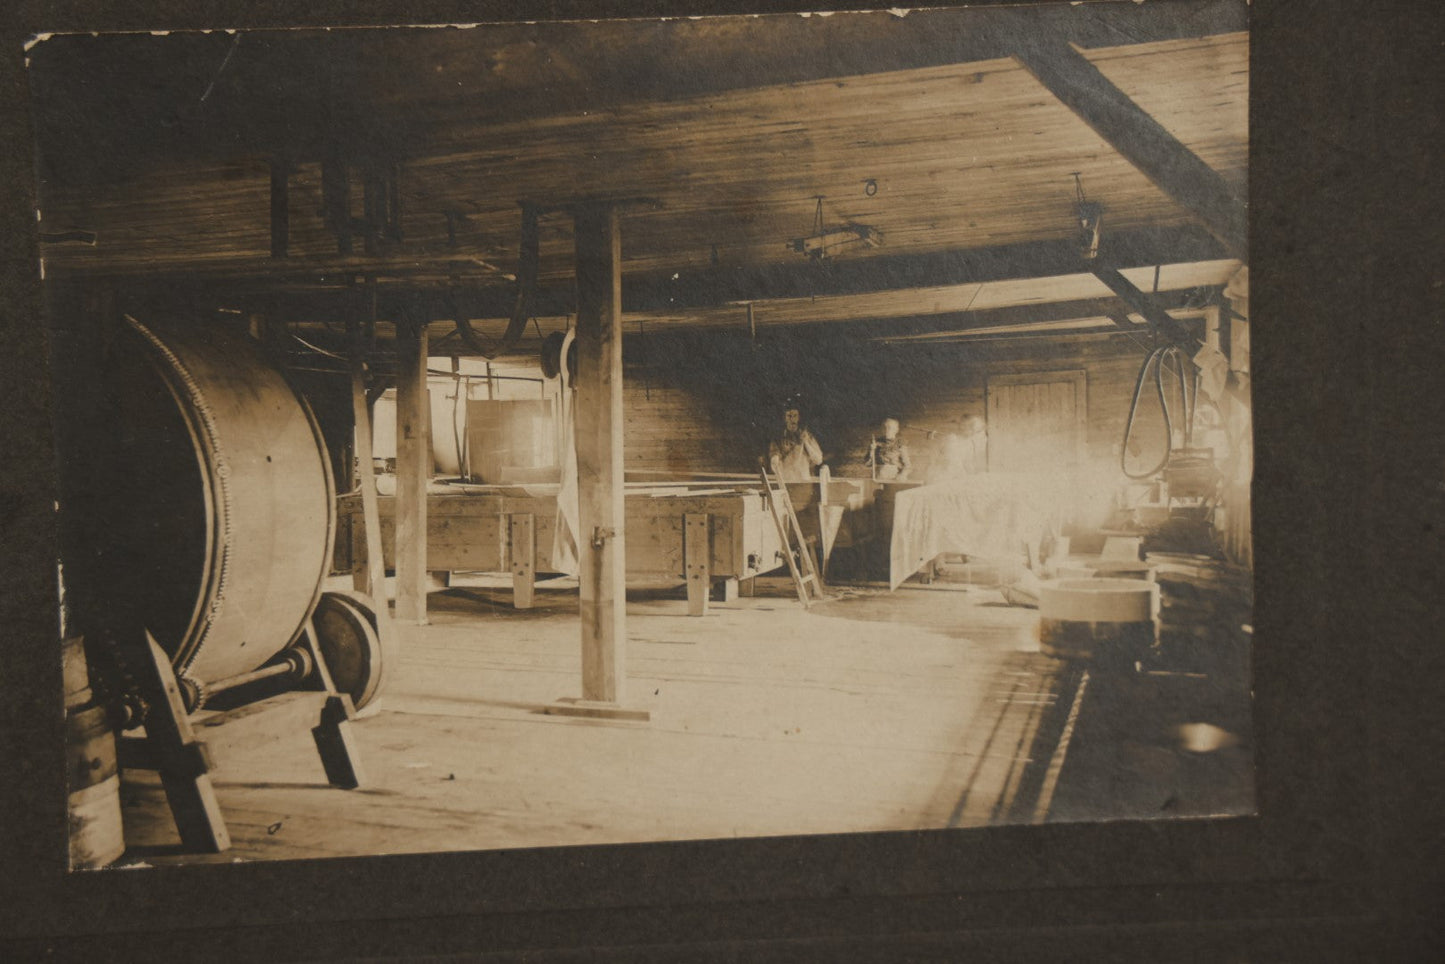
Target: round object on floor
(346, 633)
(1110, 621)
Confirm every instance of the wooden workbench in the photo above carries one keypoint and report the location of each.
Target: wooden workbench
(512, 529)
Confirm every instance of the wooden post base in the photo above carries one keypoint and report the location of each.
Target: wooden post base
(595, 710)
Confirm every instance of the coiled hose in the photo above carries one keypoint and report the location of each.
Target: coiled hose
(526, 293)
(1156, 359)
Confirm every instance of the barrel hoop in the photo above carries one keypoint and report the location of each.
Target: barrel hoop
(90, 746)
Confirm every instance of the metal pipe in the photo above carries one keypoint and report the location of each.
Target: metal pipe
(294, 662)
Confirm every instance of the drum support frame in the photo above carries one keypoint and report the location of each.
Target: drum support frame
(171, 748)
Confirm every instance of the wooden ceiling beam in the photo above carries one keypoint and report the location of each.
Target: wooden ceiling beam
(1147, 144)
(922, 328)
(480, 296)
(805, 279)
(1145, 304)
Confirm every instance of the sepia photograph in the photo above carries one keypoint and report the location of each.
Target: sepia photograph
(496, 436)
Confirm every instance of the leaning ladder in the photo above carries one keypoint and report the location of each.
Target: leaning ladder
(795, 548)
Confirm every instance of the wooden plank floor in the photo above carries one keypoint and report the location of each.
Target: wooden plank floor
(872, 711)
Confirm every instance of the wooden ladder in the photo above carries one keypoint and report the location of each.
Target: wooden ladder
(795, 547)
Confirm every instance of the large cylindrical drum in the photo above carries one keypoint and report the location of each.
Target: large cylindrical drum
(1108, 621)
(224, 500)
(92, 781)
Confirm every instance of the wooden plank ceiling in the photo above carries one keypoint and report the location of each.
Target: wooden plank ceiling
(920, 127)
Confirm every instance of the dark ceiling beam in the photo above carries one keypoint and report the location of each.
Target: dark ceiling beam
(1112, 308)
(921, 327)
(713, 287)
(494, 297)
(1121, 321)
(1158, 154)
(1054, 336)
(1148, 305)
(918, 331)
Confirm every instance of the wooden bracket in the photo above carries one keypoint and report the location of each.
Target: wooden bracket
(171, 749)
(181, 760)
(334, 740)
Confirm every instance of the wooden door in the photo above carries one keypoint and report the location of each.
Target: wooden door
(1037, 422)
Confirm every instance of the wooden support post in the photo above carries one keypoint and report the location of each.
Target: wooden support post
(413, 468)
(373, 211)
(280, 207)
(361, 567)
(602, 568)
(695, 553)
(336, 201)
(370, 573)
(522, 549)
(181, 760)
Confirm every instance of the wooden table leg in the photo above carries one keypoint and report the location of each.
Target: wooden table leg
(695, 552)
(523, 551)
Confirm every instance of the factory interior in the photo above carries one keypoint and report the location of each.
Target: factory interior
(528, 435)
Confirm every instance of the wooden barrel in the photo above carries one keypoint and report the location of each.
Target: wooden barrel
(77, 674)
(221, 511)
(92, 780)
(1109, 621)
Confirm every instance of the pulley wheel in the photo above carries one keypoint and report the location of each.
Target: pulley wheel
(346, 633)
(553, 347)
(552, 354)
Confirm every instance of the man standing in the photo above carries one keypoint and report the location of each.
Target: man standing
(888, 455)
(795, 454)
